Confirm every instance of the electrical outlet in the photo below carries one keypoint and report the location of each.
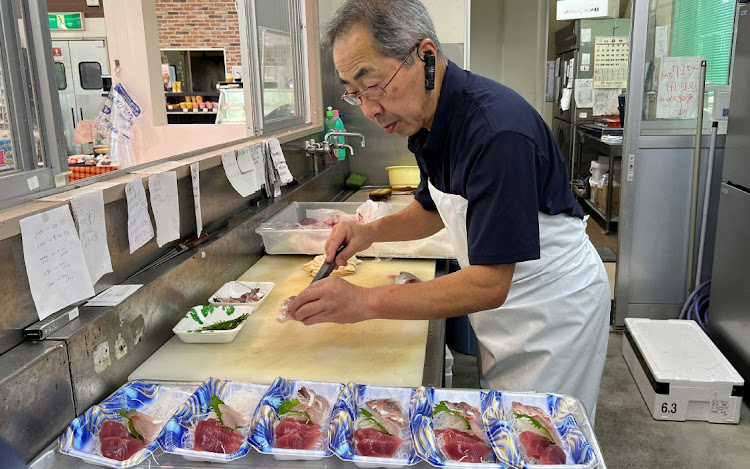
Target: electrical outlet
(92, 3)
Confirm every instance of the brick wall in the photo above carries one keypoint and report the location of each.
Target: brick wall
(200, 24)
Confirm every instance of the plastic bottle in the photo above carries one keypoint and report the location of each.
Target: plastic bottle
(339, 125)
(329, 123)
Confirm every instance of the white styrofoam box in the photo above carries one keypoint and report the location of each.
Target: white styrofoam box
(448, 380)
(681, 374)
(580, 9)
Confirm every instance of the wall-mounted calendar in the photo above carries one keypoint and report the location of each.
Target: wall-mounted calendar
(611, 62)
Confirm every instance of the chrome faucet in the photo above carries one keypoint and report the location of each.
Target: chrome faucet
(336, 145)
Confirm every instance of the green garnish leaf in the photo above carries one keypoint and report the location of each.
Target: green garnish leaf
(130, 426)
(443, 407)
(287, 406)
(538, 425)
(366, 414)
(223, 325)
(206, 310)
(194, 314)
(214, 405)
(230, 310)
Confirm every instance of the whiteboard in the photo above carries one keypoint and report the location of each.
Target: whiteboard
(679, 85)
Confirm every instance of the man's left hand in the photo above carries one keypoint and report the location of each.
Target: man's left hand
(331, 300)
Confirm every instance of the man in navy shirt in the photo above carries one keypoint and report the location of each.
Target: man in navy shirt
(492, 175)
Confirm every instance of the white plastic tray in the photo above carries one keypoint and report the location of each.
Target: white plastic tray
(238, 288)
(203, 315)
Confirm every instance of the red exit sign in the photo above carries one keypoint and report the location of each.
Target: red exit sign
(57, 51)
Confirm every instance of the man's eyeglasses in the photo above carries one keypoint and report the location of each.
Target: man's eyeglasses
(376, 92)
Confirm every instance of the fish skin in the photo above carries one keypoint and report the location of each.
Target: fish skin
(405, 277)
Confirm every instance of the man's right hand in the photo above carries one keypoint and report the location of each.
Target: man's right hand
(356, 238)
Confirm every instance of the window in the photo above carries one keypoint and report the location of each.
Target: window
(91, 75)
(62, 81)
(6, 137)
(281, 65)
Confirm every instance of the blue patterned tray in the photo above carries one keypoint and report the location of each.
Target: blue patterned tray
(81, 439)
(264, 423)
(178, 435)
(345, 414)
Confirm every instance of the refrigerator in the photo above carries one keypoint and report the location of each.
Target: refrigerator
(729, 315)
(575, 51)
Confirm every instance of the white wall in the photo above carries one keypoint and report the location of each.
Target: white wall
(509, 44)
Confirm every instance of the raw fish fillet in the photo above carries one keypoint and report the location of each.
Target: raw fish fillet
(540, 416)
(286, 307)
(231, 417)
(113, 428)
(389, 414)
(534, 444)
(469, 412)
(405, 277)
(314, 404)
(308, 221)
(295, 434)
(211, 436)
(146, 426)
(552, 454)
(373, 443)
(121, 449)
(461, 446)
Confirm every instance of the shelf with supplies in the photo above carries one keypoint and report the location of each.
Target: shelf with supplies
(599, 151)
(206, 94)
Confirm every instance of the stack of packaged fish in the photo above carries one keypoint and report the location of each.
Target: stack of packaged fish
(370, 426)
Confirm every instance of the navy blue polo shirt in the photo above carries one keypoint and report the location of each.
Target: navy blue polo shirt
(488, 145)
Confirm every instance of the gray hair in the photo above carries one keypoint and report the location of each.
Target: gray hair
(396, 26)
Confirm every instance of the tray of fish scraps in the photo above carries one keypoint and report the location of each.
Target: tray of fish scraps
(122, 430)
(293, 421)
(370, 426)
(214, 423)
(465, 428)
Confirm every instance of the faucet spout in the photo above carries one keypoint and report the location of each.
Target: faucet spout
(334, 133)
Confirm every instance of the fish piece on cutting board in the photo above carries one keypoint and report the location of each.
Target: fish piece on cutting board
(349, 269)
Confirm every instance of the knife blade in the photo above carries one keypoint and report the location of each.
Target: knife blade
(327, 267)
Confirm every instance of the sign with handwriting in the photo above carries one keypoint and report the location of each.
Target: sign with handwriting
(679, 85)
(140, 229)
(88, 211)
(162, 188)
(243, 185)
(54, 260)
(195, 179)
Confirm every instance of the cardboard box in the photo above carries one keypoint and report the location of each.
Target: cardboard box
(681, 374)
(600, 200)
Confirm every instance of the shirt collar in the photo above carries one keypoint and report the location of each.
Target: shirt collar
(451, 93)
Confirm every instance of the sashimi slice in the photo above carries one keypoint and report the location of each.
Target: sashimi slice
(146, 426)
(121, 449)
(313, 404)
(534, 444)
(540, 416)
(211, 436)
(461, 446)
(113, 428)
(294, 434)
(376, 444)
(552, 454)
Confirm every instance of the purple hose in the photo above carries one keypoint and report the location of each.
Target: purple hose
(683, 313)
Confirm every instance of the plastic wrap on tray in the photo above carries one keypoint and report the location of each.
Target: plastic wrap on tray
(82, 437)
(291, 231)
(373, 420)
(184, 429)
(279, 415)
(440, 442)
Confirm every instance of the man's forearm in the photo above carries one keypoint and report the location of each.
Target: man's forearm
(413, 222)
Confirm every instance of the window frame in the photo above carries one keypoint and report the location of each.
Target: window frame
(64, 75)
(80, 74)
(28, 177)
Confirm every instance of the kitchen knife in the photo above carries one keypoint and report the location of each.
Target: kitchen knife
(327, 267)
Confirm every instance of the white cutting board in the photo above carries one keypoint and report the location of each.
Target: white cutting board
(381, 352)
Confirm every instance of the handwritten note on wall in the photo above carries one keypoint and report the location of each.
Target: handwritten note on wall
(195, 178)
(277, 155)
(140, 229)
(162, 188)
(88, 210)
(259, 161)
(679, 85)
(54, 259)
(240, 183)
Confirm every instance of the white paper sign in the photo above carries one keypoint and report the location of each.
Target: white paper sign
(578, 9)
(240, 183)
(679, 85)
(166, 207)
(585, 59)
(33, 183)
(55, 263)
(661, 41)
(565, 99)
(140, 229)
(259, 161)
(245, 160)
(586, 35)
(195, 178)
(88, 211)
(549, 87)
(584, 94)
(279, 161)
(113, 296)
(605, 102)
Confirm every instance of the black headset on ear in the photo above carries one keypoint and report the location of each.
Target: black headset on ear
(429, 69)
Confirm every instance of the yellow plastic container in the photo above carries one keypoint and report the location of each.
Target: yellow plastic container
(403, 177)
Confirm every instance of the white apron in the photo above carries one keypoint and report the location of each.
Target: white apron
(551, 333)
